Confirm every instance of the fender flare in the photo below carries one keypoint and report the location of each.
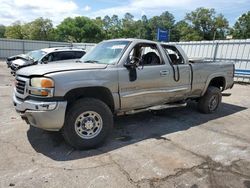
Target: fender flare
(210, 78)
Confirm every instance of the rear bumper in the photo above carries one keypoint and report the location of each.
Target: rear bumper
(230, 84)
(40, 114)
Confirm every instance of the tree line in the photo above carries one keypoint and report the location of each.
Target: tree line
(200, 24)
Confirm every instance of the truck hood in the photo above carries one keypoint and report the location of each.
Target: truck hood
(20, 56)
(22, 62)
(50, 68)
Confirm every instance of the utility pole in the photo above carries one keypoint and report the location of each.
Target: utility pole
(214, 34)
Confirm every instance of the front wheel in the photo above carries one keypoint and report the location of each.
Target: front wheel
(88, 122)
(210, 102)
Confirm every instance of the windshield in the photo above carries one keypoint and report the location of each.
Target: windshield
(36, 55)
(108, 52)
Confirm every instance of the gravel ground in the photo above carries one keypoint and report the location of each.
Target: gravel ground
(174, 148)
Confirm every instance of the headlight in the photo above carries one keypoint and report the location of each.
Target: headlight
(42, 86)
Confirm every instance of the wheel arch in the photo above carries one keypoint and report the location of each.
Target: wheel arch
(97, 92)
(218, 81)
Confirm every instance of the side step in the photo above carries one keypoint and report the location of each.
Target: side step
(158, 107)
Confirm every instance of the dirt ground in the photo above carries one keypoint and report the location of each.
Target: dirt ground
(174, 148)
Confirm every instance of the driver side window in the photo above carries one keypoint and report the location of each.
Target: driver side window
(145, 55)
(47, 58)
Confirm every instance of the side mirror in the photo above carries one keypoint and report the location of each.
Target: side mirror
(132, 63)
(129, 64)
(132, 70)
(132, 74)
(45, 59)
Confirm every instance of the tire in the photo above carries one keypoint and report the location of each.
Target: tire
(210, 102)
(87, 124)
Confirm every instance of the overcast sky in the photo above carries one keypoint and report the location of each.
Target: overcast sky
(57, 10)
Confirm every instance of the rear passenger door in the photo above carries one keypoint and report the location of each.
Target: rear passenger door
(182, 70)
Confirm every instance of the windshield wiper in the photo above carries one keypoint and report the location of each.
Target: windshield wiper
(91, 61)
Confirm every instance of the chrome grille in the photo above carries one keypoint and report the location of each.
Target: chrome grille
(20, 86)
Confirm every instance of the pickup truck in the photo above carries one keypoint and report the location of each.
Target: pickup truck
(120, 76)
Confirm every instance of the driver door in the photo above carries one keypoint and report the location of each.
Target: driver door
(150, 87)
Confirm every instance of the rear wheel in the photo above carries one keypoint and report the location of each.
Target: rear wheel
(210, 102)
(87, 124)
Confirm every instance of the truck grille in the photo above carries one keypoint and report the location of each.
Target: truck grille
(20, 86)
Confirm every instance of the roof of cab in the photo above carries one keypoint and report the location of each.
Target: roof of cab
(48, 50)
(141, 40)
(132, 40)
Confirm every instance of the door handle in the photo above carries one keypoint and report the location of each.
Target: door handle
(164, 72)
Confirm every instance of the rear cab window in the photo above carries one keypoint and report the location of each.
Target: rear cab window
(173, 54)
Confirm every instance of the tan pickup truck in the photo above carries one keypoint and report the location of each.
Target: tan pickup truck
(121, 76)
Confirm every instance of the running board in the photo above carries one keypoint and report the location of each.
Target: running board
(152, 108)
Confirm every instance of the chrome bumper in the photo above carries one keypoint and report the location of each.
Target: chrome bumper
(44, 115)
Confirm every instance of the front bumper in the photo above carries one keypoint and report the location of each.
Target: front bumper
(41, 114)
(14, 67)
(8, 63)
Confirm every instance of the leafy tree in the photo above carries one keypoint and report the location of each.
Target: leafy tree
(185, 32)
(2, 31)
(207, 23)
(143, 31)
(106, 23)
(116, 27)
(39, 29)
(200, 24)
(241, 29)
(99, 23)
(128, 26)
(112, 27)
(221, 27)
(164, 21)
(79, 29)
(14, 31)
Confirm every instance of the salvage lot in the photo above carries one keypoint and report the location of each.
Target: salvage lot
(174, 148)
